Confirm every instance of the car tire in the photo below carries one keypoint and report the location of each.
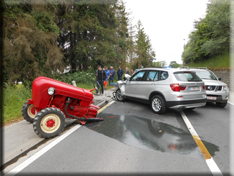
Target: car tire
(119, 97)
(221, 105)
(158, 104)
(49, 122)
(28, 112)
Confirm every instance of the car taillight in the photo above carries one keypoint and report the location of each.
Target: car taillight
(204, 87)
(177, 87)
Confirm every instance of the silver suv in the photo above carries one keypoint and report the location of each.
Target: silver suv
(216, 90)
(163, 88)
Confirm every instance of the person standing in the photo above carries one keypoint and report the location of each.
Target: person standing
(101, 76)
(127, 71)
(132, 72)
(112, 75)
(120, 73)
(107, 76)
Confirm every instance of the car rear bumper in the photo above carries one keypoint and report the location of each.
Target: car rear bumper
(186, 104)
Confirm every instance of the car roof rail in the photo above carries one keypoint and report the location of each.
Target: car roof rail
(185, 67)
(203, 68)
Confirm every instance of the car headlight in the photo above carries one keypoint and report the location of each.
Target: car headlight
(51, 91)
(225, 88)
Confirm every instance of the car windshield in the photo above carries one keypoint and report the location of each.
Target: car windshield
(206, 75)
(187, 76)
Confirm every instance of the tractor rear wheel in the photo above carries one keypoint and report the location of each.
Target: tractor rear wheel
(28, 112)
(49, 123)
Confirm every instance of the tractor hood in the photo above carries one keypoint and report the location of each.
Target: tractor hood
(41, 84)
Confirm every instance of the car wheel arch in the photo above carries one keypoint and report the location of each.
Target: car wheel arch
(156, 93)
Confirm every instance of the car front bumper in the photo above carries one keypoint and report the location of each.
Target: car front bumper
(218, 97)
(186, 104)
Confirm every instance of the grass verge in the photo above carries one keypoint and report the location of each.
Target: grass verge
(13, 99)
(218, 62)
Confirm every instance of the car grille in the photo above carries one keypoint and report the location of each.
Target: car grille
(214, 88)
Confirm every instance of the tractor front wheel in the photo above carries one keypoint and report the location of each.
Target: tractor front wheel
(28, 112)
(49, 123)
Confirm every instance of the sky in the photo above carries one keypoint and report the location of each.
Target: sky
(167, 23)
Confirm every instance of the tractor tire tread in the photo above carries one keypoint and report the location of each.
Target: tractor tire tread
(24, 113)
(45, 135)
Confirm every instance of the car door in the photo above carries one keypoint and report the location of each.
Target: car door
(148, 84)
(132, 89)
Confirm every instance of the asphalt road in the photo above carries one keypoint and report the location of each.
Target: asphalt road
(132, 139)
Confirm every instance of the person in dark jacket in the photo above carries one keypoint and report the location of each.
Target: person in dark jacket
(127, 71)
(101, 76)
(112, 75)
(120, 73)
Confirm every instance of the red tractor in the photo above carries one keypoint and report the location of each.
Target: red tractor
(53, 101)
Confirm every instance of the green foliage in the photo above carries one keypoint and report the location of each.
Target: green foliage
(30, 47)
(219, 61)
(159, 64)
(80, 77)
(144, 51)
(44, 21)
(212, 35)
(41, 38)
(174, 64)
(13, 99)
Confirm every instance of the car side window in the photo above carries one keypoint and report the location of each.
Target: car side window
(152, 76)
(138, 76)
(164, 75)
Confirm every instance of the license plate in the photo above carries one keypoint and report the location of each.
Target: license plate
(194, 88)
(212, 98)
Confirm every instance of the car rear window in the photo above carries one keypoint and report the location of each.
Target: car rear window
(206, 75)
(187, 76)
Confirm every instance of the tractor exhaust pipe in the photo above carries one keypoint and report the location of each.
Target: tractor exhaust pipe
(80, 118)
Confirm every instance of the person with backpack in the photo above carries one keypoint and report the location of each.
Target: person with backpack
(101, 76)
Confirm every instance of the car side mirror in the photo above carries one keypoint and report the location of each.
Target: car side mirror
(219, 79)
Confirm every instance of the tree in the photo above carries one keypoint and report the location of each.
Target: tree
(30, 35)
(88, 28)
(212, 34)
(145, 54)
(122, 34)
(174, 64)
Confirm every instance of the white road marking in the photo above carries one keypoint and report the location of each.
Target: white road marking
(230, 103)
(41, 152)
(209, 160)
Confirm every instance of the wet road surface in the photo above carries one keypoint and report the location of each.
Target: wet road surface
(149, 134)
(132, 139)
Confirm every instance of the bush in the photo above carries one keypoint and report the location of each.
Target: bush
(80, 77)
